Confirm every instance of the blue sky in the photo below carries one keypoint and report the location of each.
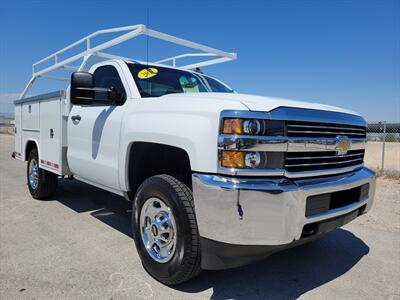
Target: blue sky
(344, 53)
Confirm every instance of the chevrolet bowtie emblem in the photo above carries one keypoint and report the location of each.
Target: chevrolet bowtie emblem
(343, 144)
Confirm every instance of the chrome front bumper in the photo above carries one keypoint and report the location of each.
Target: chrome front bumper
(253, 211)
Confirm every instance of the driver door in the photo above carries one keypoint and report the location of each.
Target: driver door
(94, 132)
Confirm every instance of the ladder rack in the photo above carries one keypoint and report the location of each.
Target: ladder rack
(128, 33)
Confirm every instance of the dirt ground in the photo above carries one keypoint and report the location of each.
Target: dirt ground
(385, 214)
(6, 130)
(78, 245)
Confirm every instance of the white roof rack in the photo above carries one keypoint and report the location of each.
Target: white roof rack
(130, 33)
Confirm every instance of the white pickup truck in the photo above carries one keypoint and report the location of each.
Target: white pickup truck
(217, 179)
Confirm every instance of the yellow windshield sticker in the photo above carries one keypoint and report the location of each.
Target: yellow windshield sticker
(147, 73)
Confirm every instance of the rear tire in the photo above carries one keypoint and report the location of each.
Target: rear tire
(164, 220)
(41, 183)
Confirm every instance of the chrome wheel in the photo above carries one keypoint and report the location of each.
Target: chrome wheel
(33, 174)
(158, 230)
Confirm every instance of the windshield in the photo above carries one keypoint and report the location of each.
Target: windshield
(155, 81)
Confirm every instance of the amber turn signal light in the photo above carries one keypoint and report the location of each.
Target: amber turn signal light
(233, 126)
(232, 159)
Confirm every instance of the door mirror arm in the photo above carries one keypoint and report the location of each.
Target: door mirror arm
(116, 96)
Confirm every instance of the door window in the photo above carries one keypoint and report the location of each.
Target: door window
(107, 77)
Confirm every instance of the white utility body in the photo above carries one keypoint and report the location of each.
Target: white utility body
(217, 179)
(41, 120)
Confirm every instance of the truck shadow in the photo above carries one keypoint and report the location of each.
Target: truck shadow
(107, 207)
(98, 129)
(287, 274)
(284, 275)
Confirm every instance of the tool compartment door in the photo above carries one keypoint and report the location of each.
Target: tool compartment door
(30, 116)
(51, 135)
(18, 132)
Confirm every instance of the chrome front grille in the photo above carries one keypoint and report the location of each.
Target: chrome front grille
(326, 130)
(314, 161)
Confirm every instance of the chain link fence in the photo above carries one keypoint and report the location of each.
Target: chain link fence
(383, 148)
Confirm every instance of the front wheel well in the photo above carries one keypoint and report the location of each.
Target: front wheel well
(29, 147)
(149, 159)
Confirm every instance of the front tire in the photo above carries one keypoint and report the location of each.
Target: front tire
(41, 183)
(165, 230)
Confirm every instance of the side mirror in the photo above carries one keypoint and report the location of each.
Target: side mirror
(82, 84)
(83, 91)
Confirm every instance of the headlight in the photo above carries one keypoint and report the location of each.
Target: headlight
(251, 159)
(253, 127)
(242, 142)
(239, 159)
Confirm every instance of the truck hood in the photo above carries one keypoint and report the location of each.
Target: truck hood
(260, 103)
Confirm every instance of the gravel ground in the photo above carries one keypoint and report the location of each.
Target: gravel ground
(77, 245)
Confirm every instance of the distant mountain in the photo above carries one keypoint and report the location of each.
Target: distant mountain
(7, 104)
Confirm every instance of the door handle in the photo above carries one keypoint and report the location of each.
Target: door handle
(76, 118)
